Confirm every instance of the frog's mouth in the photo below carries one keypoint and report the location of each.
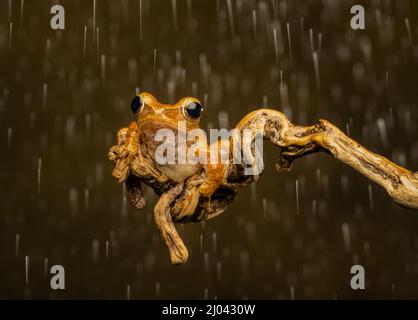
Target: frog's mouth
(153, 124)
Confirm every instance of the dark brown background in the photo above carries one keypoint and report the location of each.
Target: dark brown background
(260, 247)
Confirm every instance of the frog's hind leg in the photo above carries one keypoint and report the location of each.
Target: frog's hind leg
(162, 214)
(136, 195)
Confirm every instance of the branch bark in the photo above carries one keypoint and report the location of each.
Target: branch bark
(296, 141)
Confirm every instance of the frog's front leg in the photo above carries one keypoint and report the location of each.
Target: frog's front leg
(123, 154)
(162, 214)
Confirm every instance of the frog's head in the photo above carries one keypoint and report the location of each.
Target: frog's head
(153, 115)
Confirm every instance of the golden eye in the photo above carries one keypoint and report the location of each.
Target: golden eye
(193, 109)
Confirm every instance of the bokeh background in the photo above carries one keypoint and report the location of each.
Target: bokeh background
(64, 94)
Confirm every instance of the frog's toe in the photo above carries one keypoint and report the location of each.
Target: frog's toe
(112, 156)
(121, 170)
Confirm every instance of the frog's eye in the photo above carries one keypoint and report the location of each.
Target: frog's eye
(137, 104)
(193, 109)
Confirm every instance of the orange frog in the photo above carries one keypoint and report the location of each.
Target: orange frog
(136, 162)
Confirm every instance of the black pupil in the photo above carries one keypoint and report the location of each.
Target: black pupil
(136, 104)
(194, 109)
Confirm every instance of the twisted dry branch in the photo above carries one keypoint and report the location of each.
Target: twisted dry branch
(181, 202)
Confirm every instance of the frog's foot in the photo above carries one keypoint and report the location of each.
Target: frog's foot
(124, 153)
(121, 170)
(136, 195)
(205, 203)
(185, 206)
(118, 152)
(119, 156)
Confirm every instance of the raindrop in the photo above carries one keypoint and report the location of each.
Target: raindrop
(311, 40)
(255, 24)
(174, 12)
(10, 34)
(383, 132)
(95, 250)
(408, 29)
(205, 100)
(194, 89)
(10, 10)
(297, 196)
(48, 47)
(94, 20)
(157, 289)
(128, 292)
(206, 261)
(87, 120)
(44, 95)
(22, 2)
(73, 200)
(17, 244)
(103, 68)
(289, 42)
(264, 207)
(276, 49)
(214, 242)
(231, 17)
(27, 269)
(9, 137)
(39, 174)
(189, 10)
(132, 67)
(325, 184)
(171, 88)
(107, 249)
(316, 67)
(319, 44)
(265, 101)
(371, 202)
(318, 177)
(314, 207)
(140, 20)
(86, 199)
(124, 210)
(98, 44)
(218, 270)
(346, 236)
(273, 2)
(344, 184)
(245, 260)
(84, 42)
(223, 119)
(45, 267)
(155, 61)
